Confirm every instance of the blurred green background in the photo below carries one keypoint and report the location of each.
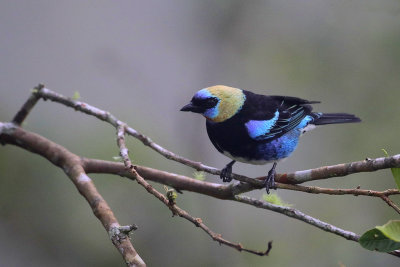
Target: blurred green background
(142, 61)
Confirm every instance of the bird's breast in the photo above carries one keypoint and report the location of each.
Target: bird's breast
(234, 142)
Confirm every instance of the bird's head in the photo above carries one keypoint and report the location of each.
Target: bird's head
(217, 103)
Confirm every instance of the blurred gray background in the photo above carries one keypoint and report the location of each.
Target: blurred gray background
(142, 61)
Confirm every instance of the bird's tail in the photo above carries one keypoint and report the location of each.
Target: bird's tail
(331, 118)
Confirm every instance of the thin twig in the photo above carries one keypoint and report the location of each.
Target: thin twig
(27, 106)
(331, 191)
(172, 206)
(390, 203)
(294, 213)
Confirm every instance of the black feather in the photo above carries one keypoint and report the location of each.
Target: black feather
(292, 111)
(332, 118)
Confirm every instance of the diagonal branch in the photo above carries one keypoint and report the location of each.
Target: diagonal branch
(390, 203)
(170, 204)
(72, 166)
(27, 106)
(305, 218)
(294, 213)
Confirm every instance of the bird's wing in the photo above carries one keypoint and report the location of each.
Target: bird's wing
(287, 112)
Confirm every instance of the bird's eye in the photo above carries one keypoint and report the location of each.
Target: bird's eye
(210, 102)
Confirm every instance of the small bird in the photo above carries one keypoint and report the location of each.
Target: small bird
(257, 129)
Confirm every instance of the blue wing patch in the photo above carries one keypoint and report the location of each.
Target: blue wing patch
(259, 129)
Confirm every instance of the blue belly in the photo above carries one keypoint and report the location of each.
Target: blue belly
(283, 146)
(279, 148)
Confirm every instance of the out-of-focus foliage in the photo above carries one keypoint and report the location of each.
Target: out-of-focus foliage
(142, 61)
(383, 238)
(274, 198)
(76, 96)
(199, 175)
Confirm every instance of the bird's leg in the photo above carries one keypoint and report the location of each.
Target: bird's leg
(269, 182)
(226, 173)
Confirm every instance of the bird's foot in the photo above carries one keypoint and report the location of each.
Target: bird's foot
(269, 182)
(226, 173)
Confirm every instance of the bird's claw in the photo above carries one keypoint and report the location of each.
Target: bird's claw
(269, 182)
(226, 173)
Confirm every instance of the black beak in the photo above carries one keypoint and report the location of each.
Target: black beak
(188, 107)
(192, 108)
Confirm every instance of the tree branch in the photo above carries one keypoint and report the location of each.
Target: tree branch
(76, 168)
(22, 137)
(390, 203)
(219, 191)
(72, 166)
(291, 212)
(330, 191)
(287, 178)
(171, 204)
(367, 165)
(27, 106)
